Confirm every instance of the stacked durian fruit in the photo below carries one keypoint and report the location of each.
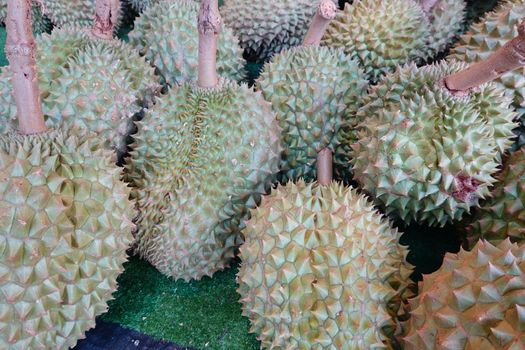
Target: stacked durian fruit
(348, 133)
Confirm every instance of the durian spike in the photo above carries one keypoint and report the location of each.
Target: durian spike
(324, 166)
(428, 5)
(507, 58)
(325, 13)
(106, 13)
(209, 25)
(20, 50)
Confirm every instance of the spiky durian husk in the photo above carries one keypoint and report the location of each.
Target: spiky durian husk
(87, 82)
(65, 225)
(141, 5)
(425, 154)
(321, 269)
(446, 20)
(488, 35)
(67, 13)
(380, 34)
(201, 159)
(503, 215)
(476, 300)
(312, 90)
(166, 34)
(265, 28)
(40, 22)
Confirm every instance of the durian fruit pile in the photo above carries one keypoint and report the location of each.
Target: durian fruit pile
(489, 34)
(204, 155)
(166, 34)
(41, 23)
(65, 217)
(87, 82)
(384, 34)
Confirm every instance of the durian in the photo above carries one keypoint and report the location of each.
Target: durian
(166, 34)
(41, 23)
(476, 300)
(65, 218)
(265, 28)
(64, 13)
(204, 155)
(313, 90)
(87, 82)
(503, 214)
(141, 5)
(425, 153)
(491, 33)
(383, 34)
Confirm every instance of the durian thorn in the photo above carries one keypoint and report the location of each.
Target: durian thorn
(209, 24)
(20, 50)
(506, 59)
(428, 5)
(324, 166)
(325, 13)
(106, 12)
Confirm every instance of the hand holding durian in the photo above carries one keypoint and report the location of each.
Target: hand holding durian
(65, 217)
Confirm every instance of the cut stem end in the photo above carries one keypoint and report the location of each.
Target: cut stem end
(326, 12)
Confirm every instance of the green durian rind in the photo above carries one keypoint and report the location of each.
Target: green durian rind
(312, 90)
(141, 5)
(40, 22)
(67, 13)
(488, 35)
(84, 82)
(476, 300)
(502, 216)
(420, 148)
(266, 28)
(65, 225)
(321, 269)
(446, 20)
(201, 159)
(380, 34)
(166, 34)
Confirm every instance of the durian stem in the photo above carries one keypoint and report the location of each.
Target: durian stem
(325, 13)
(507, 58)
(324, 166)
(20, 50)
(209, 22)
(106, 12)
(428, 5)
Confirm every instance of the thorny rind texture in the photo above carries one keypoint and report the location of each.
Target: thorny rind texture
(507, 58)
(20, 51)
(106, 13)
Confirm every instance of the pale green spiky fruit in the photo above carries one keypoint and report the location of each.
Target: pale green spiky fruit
(67, 13)
(486, 36)
(312, 90)
(166, 34)
(265, 28)
(476, 300)
(201, 159)
(84, 82)
(39, 21)
(503, 214)
(65, 225)
(427, 155)
(380, 34)
(141, 5)
(321, 269)
(446, 20)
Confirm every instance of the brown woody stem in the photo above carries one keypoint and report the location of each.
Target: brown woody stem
(325, 13)
(209, 23)
(428, 5)
(324, 166)
(106, 13)
(507, 58)
(20, 50)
